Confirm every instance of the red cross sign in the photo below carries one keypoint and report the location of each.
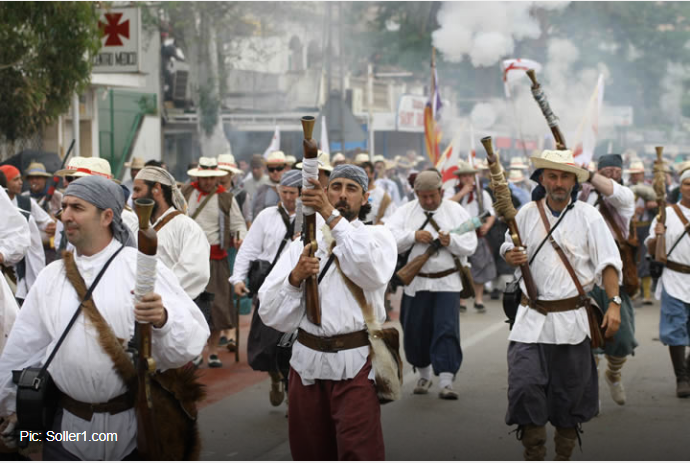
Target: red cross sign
(113, 30)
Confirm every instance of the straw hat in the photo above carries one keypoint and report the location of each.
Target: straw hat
(136, 163)
(227, 162)
(323, 162)
(464, 167)
(518, 163)
(208, 167)
(276, 157)
(482, 165)
(681, 167)
(560, 160)
(84, 167)
(339, 157)
(290, 159)
(636, 167)
(378, 158)
(390, 164)
(361, 158)
(404, 163)
(516, 176)
(36, 169)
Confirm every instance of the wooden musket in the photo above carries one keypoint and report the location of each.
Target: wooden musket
(311, 285)
(660, 189)
(504, 208)
(147, 443)
(551, 119)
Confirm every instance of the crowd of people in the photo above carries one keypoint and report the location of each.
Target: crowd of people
(233, 232)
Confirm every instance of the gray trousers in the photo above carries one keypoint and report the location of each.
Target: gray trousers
(551, 382)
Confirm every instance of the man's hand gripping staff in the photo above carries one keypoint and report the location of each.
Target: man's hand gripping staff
(504, 208)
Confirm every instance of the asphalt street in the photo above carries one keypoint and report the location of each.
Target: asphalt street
(241, 424)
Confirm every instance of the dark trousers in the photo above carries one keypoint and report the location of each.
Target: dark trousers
(551, 382)
(335, 420)
(431, 325)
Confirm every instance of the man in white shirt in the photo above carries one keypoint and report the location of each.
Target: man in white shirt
(674, 285)
(382, 205)
(218, 214)
(14, 189)
(616, 203)
(15, 242)
(482, 262)
(429, 309)
(81, 369)
(268, 237)
(551, 371)
(334, 412)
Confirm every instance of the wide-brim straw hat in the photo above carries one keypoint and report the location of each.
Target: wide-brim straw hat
(323, 159)
(85, 167)
(518, 163)
(378, 158)
(560, 160)
(276, 157)
(636, 167)
(208, 167)
(36, 169)
(136, 163)
(404, 163)
(361, 158)
(227, 162)
(516, 176)
(464, 167)
(339, 157)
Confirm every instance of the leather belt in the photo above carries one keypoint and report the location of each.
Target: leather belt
(676, 267)
(442, 274)
(85, 410)
(560, 305)
(333, 343)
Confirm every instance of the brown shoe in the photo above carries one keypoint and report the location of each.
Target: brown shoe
(683, 388)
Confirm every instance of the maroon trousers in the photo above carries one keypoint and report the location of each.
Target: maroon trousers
(335, 420)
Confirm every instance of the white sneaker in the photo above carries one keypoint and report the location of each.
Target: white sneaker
(447, 393)
(423, 386)
(617, 390)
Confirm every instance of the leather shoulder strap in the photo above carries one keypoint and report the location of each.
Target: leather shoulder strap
(680, 215)
(358, 294)
(606, 213)
(202, 205)
(385, 202)
(557, 247)
(106, 337)
(166, 219)
(433, 223)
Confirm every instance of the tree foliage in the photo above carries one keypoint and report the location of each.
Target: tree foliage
(45, 56)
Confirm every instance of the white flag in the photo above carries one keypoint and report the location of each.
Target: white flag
(514, 69)
(448, 164)
(588, 130)
(324, 136)
(275, 143)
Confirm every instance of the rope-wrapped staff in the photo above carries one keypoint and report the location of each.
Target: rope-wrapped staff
(543, 102)
(503, 205)
(660, 189)
(310, 170)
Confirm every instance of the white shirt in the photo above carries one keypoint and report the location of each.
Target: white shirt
(262, 242)
(41, 217)
(407, 220)
(14, 231)
(367, 256)
(622, 200)
(589, 247)
(211, 217)
(375, 197)
(472, 207)
(81, 368)
(184, 249)
(8, 311)
(35, 260)
(676, 284)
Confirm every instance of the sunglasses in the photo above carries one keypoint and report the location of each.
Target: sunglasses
(69, 178)
(275, 169)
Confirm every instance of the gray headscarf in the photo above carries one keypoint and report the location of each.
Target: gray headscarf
(351, 172)
(292, 178)
(104, 194)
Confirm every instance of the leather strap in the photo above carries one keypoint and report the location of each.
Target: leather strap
(333, 343)
(202, 205)
(86, 410)
(560, 305)
(680, 215)
(435, 275)
(606, 212)
(385, 202)
(458, 265)
(561, 254)
(166, 219)
(677, 267)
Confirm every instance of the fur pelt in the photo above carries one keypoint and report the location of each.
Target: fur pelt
(174, 393)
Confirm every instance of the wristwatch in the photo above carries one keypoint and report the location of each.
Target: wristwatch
(334, 215)
(616, 300)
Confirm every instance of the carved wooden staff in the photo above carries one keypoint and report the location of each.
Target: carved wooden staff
(543, 102)
(660, 189)
(311, 285)
(505, 209)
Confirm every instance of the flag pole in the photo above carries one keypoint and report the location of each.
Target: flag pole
(518, 124)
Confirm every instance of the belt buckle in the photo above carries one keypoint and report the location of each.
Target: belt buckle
(324, 345)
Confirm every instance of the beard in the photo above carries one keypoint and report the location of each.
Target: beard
(345, 211)
(559, 194)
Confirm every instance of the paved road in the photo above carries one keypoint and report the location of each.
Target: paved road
(240, 424)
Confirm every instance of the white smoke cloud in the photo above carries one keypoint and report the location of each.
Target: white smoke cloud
(486, 32)
(673, 85)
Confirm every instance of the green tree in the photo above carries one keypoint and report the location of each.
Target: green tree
(45, 56)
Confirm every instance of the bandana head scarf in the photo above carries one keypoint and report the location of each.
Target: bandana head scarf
(351, 172)
(162, 176)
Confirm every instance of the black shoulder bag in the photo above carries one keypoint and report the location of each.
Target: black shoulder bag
(512, 295)
(404, 257)
(37, 394)
(259, 269)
